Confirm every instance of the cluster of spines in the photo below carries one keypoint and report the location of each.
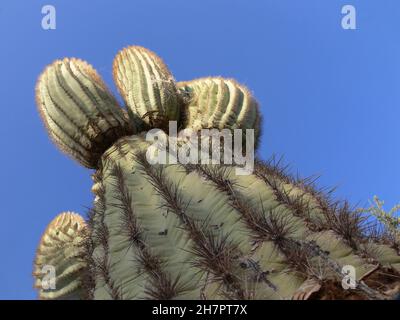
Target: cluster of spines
(161, 284)
(337, 215)
(213, 254)
(366, 240)
(277, 227)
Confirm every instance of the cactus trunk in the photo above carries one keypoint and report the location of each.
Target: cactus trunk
(203, 232)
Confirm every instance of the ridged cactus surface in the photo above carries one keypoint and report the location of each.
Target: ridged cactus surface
(92, 119)
(191, 231)
(63, 247)
(146, 85)
(220, 103)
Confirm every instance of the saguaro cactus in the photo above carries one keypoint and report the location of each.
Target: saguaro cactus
(191, 231)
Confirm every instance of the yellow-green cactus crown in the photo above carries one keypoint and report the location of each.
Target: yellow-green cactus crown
(83, 118)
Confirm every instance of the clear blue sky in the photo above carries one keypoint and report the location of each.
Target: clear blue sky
(330, 97)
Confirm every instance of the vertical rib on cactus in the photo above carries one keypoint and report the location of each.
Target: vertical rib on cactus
(101, 243)
(196, 231)
(61, 249)
(213, 253)
(146, 85)
(170, 236)
(161, 286)
(135, 259)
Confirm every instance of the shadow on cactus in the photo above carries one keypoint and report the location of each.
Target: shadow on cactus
(190, 231)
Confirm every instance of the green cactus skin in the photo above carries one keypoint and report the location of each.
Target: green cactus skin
(193, 232)
(220, 103)
(62, 246)
(92, 120)
(177, 231)
(146, 85)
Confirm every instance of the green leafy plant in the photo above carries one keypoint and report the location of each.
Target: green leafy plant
(389, 219)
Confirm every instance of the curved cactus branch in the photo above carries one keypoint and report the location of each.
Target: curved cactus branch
(81, 115)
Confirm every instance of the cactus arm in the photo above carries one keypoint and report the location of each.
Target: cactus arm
(61, 248)
(146, 85)
(220, 103)
(80, 114)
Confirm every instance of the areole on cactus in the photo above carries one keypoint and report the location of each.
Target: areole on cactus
(190, 231)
